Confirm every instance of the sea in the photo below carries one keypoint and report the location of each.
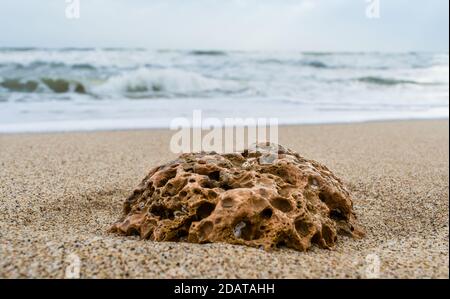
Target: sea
(84, 89)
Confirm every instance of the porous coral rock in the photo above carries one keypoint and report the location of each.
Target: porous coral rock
(254, 198)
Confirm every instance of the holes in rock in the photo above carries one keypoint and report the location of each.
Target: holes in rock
(149, 192)
(207, 184)
(284, 174)
(313, 181)
(310, 207)
(337, 215)
(281, 244)
(136, 192)
(324, 197)
(264, 189)
(133, 231)
(173, 187)
(212, 194)
(244, 230)
(215, 175)
(282, 204)
(161, 211)
(225, 186)
(328, 235)
(227, 202)
(285, 191)
(316, 238)
(205, 209)
(182, 233)
(169, 174)
(266, 213)
(205, 229)
(302, 227)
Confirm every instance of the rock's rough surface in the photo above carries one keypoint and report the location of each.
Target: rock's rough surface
(239, 198)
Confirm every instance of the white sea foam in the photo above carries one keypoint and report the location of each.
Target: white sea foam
(89, 89)
(155, 82)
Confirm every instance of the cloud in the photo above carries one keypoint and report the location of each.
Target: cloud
(319, 25)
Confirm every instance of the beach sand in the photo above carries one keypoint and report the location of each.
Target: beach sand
(59, 194)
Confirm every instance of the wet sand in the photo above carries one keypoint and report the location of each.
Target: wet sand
(59, 194)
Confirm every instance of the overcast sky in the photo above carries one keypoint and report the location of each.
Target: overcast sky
(306, 25)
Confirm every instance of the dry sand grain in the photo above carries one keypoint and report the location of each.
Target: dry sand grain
(59, 193)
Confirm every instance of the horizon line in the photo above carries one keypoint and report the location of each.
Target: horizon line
(214, 50)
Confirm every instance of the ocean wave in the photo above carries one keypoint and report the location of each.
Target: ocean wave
(308, 63)
(390, 81)
(207, 53)
(19, 49)
(57, 65)
(348, 63)
(131, 74)
(140, 83)
(164, 82)
(42, 85)
(95, 49)
(316, 64)
(38, 64)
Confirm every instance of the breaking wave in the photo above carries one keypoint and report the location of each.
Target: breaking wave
(92, 88)
(42, 85)
(307, 63)
(208, 53)
(165, 83)
(389, 81)
(139, 83)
